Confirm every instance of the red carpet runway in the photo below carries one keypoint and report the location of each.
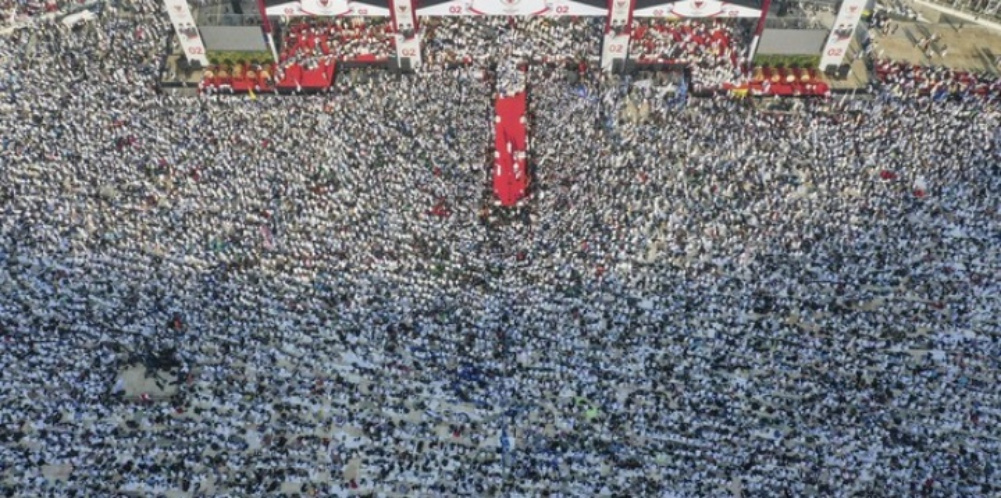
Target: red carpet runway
(511, 167)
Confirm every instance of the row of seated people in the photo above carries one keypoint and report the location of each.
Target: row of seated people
(714, 48)
(240, 76)
(347, 39)
(785, 81)
(926, 80)
(316, 74)
(776, 75)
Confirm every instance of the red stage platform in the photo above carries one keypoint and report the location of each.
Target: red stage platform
(294, 77)
(316, 78)
(783, 82)
(511, 142)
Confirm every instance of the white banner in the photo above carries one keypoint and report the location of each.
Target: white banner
(404, 15)
(187, 32)
(844, 30)
(409, 48)
(615, 47)
(621, 14)
(295, 9)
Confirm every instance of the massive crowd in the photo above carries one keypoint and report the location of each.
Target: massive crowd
(698, 299)
(456, 40)
(348, 39)
(936, 82)
(715, 50)
(12, 12)
(451, 40)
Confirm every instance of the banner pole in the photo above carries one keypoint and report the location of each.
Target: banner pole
(266, 27)
(758, 30)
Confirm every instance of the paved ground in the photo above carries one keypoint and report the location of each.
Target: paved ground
(971, 47)
(968, 46)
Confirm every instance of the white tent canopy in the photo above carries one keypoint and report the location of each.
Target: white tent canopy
(697, 8)
(683, 9)
(336, 8)
(512, 8)
(330, 8)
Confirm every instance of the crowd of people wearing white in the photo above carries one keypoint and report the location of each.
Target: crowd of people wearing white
(908, 79)
(457, 40)
(700, 299)
(715, 50)
(16, 11)
(346, 38)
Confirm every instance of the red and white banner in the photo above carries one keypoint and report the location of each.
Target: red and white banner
(620, 14)
(409, 48)
(404, 14)
(295, 9)
(614, 47)
(618, 29)
(325, 7)
(697, 8)
(512, 8)
(187, 33)
(405, 24)
(841, 35)
(555, 8)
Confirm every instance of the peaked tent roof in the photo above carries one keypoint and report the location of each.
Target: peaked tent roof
(646, 4)
(331, 8)
(684, 9)
(582, 8)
